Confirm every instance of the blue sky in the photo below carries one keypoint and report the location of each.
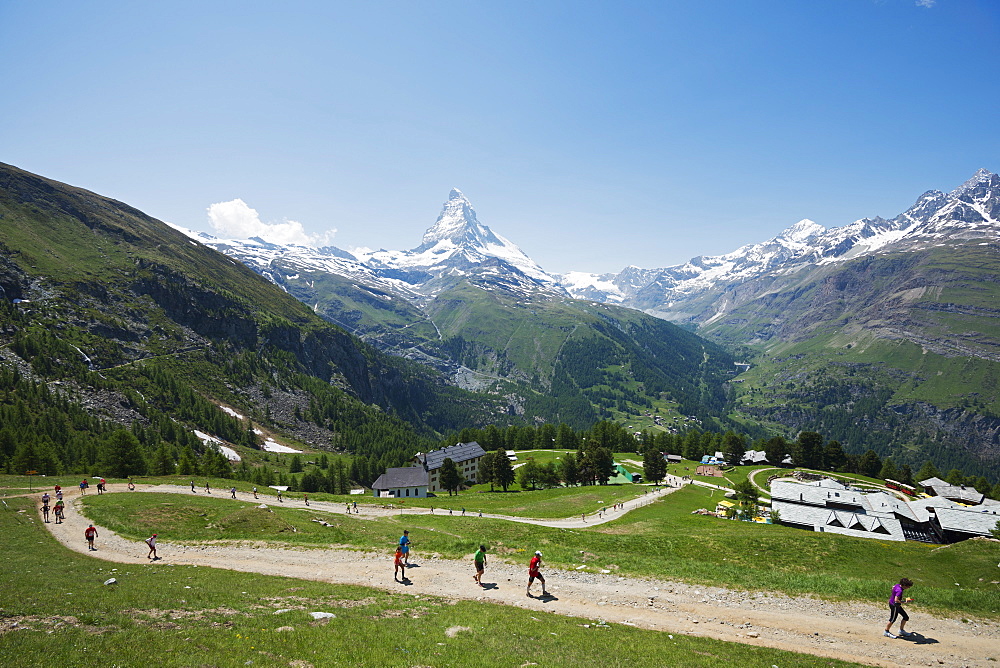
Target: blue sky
(592, 134)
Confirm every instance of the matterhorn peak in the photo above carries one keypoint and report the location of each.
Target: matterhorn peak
(457, 224)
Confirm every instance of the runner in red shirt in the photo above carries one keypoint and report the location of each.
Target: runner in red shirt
(90, 534)
(400, 565)
(533, 572)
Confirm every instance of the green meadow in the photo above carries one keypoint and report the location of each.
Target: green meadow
(57, 611)
(661, 540)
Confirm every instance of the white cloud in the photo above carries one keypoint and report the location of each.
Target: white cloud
(926, 3)
(236, 220)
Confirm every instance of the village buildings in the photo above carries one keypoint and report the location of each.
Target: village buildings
(828, 506)
(423, 477)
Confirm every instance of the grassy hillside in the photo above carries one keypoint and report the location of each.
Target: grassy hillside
(897, 353)
(111, 319)
(184, 616)
(583, 361)
(692, 548)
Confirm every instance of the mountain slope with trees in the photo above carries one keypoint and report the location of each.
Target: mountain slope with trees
(110, 319)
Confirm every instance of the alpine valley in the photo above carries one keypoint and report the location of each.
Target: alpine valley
(122, 335)
(882, 333)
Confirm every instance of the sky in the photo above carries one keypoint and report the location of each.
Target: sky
(594, 135)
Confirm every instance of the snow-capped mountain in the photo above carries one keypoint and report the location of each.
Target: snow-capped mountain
(970, 211)
(456, 246)
(459, 247)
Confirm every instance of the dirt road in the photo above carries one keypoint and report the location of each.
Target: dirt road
(838, 630)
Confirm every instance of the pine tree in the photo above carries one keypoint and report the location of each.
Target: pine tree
(569, 471)
(503, 472)
(733, 447)
(776, 449)
(186, 463)
(905, 475)
(654, 466)
(529, 475)
(121, 455)
(870, 464)
(487, 468)
(162, 463)
(809, 450)
(955, 477)
(888, 470)
(451, 479)
(927, 471)
(834, 456)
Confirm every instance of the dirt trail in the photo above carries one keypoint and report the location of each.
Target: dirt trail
(851, 632)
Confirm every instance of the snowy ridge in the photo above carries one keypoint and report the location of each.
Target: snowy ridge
(459, 247)
(970, 211)
(456, 246)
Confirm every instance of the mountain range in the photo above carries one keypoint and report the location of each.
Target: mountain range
(881, 334)
(893, 320)
(473, 305)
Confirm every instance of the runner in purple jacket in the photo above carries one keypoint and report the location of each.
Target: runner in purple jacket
(896, 609)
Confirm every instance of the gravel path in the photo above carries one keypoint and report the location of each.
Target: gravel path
(851, 632)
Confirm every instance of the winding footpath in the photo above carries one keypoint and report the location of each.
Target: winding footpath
(848, 631)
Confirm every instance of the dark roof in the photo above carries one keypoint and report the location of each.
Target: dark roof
(406, 476)
(458, 453)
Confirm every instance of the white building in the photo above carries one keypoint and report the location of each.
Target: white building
(465, 455)
(828, 506)
(401, 483)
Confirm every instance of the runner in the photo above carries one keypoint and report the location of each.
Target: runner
(208, 490)
(151, 541)
(232, 491)
(896, 609)
(255, 492)
(400, 566)
(480, 558)
(90, 533)
(60, 507)
(58, 493)
(533, 572)
(404, 545)
(279, 496)
(305, 497)
(45, 505)
(355, 507)
(131, 485)
(193, 491)
(101, 486)
(83, 486)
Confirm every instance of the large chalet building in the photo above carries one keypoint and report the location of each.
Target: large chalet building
(465, 455)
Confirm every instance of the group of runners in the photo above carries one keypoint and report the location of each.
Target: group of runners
(59, 508)
(402, 561)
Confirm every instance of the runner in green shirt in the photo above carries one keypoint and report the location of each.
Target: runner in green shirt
(480, 558)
